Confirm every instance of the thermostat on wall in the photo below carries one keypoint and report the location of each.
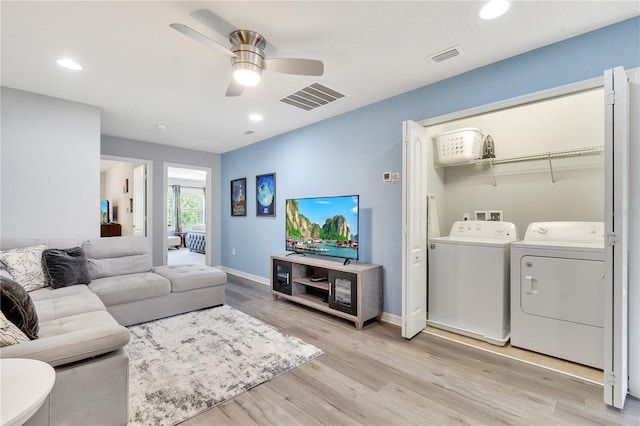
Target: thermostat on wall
(390, 177)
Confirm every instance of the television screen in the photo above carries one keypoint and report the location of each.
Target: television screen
(104, 211)
(324, 226)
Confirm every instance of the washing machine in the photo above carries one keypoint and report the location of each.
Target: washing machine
(557, 291)
(468, 290)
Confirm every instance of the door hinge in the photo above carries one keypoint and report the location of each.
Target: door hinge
(612, 239)
(612, 97)
(610, 378)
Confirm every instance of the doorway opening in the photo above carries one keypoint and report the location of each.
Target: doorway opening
(124, 185)
(187, 215)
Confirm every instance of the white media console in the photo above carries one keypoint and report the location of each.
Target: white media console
(352, 292)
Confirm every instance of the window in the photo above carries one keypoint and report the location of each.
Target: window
(192, 206)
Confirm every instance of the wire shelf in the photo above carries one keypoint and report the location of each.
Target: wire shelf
(572, 152)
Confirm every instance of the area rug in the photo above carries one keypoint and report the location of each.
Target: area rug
(186, 364)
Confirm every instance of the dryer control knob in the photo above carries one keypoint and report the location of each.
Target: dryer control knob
(543, 229)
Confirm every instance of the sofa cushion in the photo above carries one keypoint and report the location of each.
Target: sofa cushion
(18, 307)
(10, 334)
(129, 288)
(65, 267)
(63, 302)
(190, 277)
(25, 266)
(112, 256)
(71, 339)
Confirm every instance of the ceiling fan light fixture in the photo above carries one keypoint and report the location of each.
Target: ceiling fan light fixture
(246, 77)
(247, 66)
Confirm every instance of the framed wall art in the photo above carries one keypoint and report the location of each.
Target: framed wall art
(239, 197)
(266, 195)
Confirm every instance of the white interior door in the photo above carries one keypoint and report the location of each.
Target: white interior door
(634, 233)
(139, 201)
(616, 234)
(414, 229)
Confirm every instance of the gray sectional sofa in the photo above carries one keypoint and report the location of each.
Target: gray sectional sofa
(82, 329)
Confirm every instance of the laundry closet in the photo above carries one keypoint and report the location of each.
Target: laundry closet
(543, 180)
(548, 164)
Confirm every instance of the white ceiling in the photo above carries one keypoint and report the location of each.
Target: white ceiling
(140, 72)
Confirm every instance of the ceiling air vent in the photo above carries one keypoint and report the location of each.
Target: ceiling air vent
(449, 53)
(311, 97)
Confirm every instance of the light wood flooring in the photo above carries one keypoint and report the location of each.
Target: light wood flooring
(564, 366)
(376, 377)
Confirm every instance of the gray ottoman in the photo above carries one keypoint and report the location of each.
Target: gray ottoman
(191, 277)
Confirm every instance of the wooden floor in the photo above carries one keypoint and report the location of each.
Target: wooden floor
(375, 377)
(593, 374)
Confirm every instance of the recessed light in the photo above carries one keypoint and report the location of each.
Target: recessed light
(69, 64)
(494, 8)
(255, 117)
(162, 127)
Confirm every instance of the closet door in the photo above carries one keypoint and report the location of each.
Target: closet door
(414, 229)
(616, 236)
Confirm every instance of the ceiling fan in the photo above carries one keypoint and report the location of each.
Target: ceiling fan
(248, 58)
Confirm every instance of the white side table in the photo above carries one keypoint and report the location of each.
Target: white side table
(24, 385)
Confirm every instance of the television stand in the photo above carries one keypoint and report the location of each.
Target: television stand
(352, 292)
(110, 229)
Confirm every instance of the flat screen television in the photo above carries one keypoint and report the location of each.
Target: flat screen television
(104, 211)
(323, 226)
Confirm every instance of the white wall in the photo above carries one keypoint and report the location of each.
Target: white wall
(50, 162)
(525, 192)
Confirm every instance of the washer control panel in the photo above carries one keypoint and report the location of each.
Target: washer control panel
(566, 232)
(494, 230)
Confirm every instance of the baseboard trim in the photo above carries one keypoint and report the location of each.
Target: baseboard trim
(241, 274)
(391, 319)
(385, 317)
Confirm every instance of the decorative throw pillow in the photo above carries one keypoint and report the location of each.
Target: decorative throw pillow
(65, 267)
(25, 266)
(9, 333)
(17, 307)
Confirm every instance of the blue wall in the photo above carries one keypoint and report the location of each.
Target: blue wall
(348, 154)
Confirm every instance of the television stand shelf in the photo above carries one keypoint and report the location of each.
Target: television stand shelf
(352, 292)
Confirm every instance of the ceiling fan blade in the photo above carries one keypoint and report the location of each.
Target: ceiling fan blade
(295, 66)
(234, 89)
(190, 32)
(216, 22)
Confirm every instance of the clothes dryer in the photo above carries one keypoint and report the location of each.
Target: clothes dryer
(557, 291)
(469, 280)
